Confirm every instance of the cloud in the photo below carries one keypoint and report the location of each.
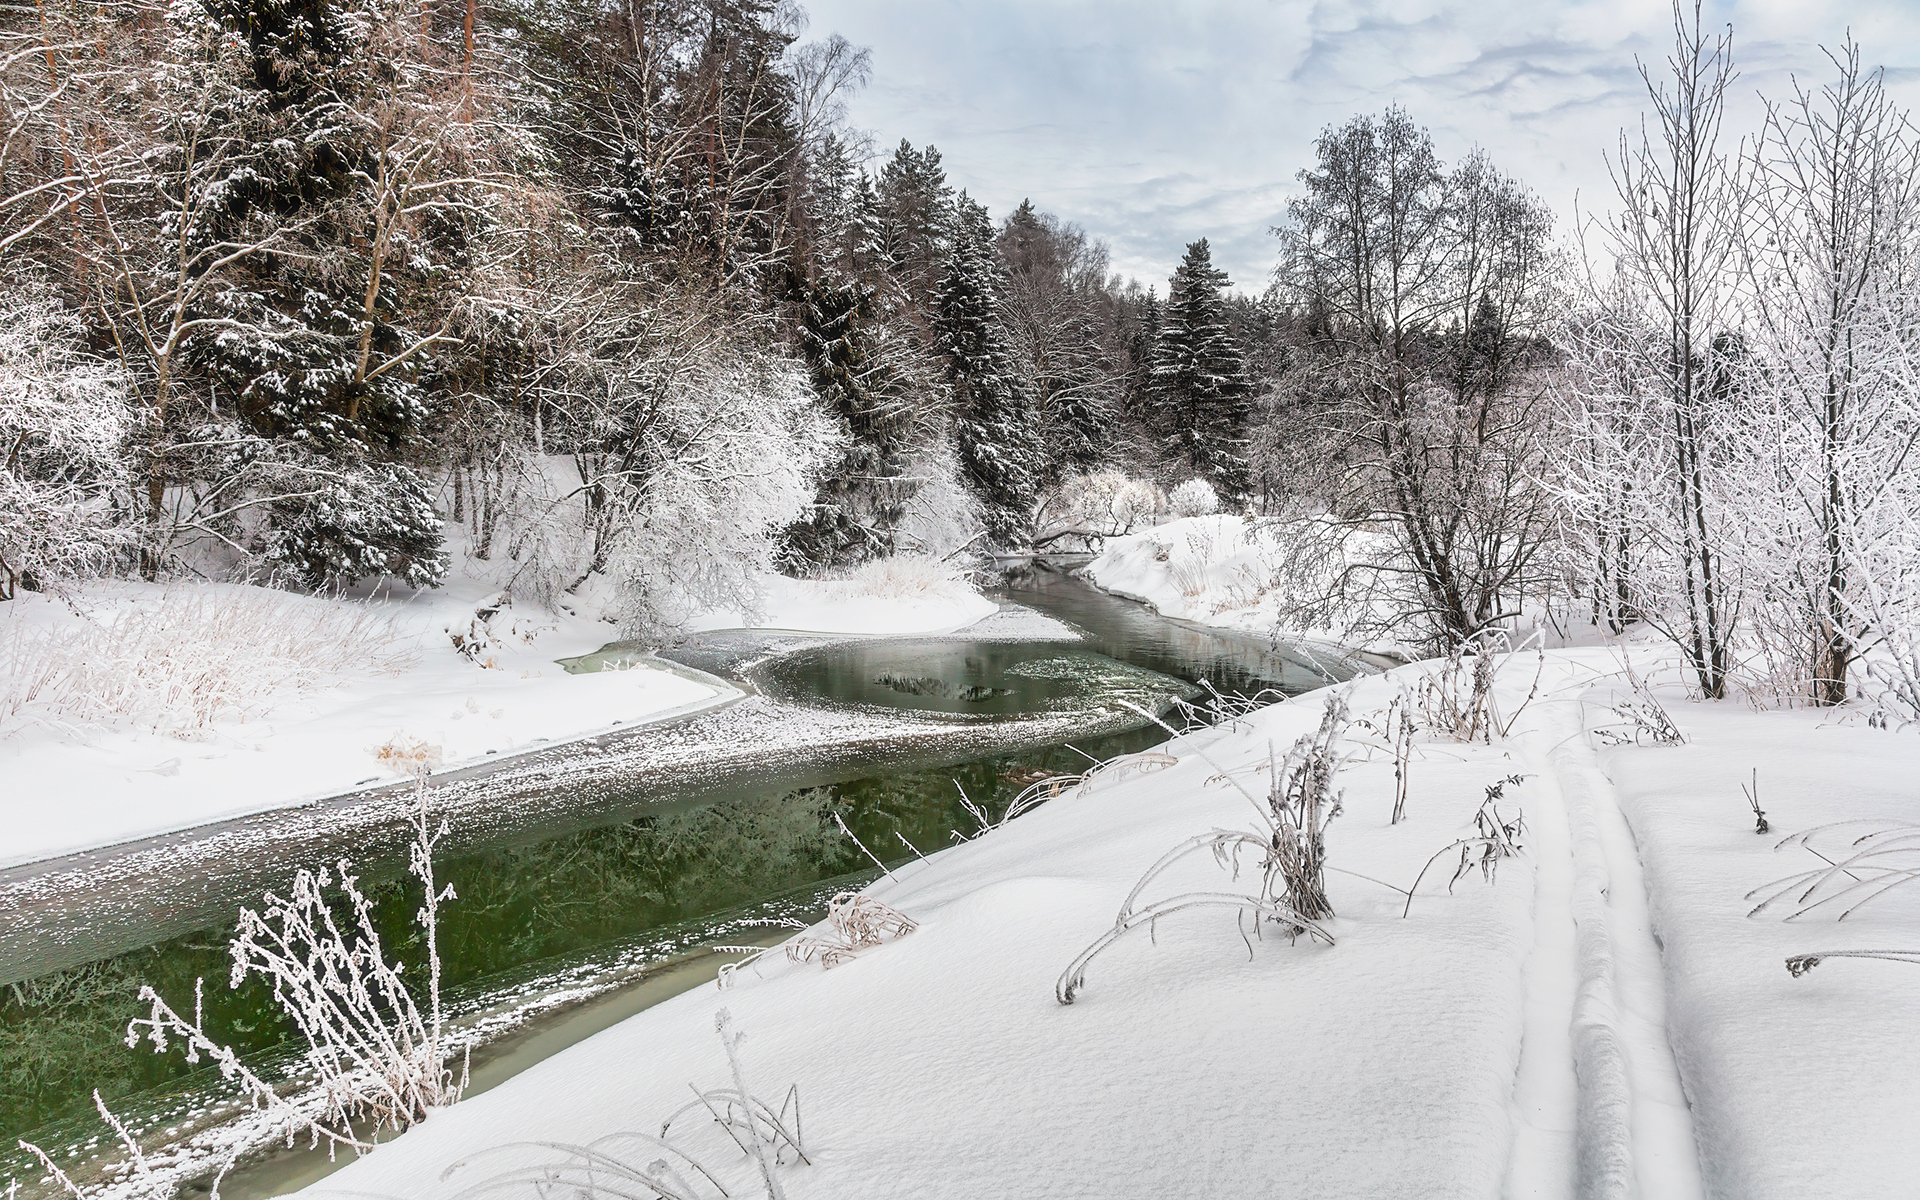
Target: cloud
(1153, 124)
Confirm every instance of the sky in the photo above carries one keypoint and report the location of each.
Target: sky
(1154, 124)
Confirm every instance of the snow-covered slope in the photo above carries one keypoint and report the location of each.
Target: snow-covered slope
(1220, 570)
(940, 1065)
(1602, 1018)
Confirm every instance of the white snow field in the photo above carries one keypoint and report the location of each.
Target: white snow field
(1601, 1019)
(129, 710)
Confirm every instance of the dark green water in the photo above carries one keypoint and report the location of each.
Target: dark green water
(562, 898)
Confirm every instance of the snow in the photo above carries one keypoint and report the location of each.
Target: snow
(1603, 1019)
(866, 605)
(940, 1064)
(142, 774)
(1799, 1087)
(1226, 571)
(119, 782)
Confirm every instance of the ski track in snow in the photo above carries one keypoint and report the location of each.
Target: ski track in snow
(1598, 1102)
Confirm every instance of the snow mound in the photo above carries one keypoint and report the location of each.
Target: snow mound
(906, 595)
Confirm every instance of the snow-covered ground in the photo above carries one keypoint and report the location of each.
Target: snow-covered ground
(77, 781)
(888, 598)
(1602, 1018)
(1226, 571)
(308, 690)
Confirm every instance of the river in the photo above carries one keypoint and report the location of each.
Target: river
(609, 889)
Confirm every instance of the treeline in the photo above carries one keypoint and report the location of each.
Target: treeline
(615, 294)
(286, 280)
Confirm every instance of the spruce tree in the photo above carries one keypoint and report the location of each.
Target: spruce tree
(1200, 390)
(999, 451)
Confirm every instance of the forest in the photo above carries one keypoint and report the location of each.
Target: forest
(615, 300)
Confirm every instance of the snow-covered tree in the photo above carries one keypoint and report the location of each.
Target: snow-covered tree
(878, 385)
(65, 419)
(994, 421)
(1200, 388)
(1832, 192)
(736, 446)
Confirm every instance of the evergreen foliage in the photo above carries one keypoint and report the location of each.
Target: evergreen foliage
(994, 425)
(1199, 386)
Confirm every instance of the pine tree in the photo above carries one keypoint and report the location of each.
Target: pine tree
(919, 214)
(1200, 390)
(859, 374)
(999, 451)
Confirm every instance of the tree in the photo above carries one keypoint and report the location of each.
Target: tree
(918, 214)
(875, 383)
(65, 492)
(1420, 291)
(1674, 242)
(994, 421)
(1200, 389)
(1829, 263)
(1057, 307)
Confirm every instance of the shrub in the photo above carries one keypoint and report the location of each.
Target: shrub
(1194, 498)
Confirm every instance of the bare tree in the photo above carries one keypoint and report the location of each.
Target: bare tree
(1422, 292)
(1674, 243)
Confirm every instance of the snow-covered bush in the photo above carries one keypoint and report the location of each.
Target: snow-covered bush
(1194, 498)
(747, 444)
(1100, 504)
(942, 515)
(181, 659)
(64, 424)
(365, 520)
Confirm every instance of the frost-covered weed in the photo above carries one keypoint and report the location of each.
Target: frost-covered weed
(1496, 839)
(1290, 844)
(1856, 871)
(654, 1167)
(1457, 697)
(182, 659)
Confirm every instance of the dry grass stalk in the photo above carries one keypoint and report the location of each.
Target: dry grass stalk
(1457, 698)
(1496, 840)
(1800, 964)
(1304, 802)
(854, 923)
(1869, 866)
(640, 1166)
(182, 660)
(1290, 846)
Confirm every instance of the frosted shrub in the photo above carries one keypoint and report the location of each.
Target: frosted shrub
(180, 660)
(64, 422)
(943, 516)
(1098, 505)
(1194, 498)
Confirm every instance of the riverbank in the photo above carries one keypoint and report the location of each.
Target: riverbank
(249, 700)
(1235, 573)
(1600, 1016)
(610, 827)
